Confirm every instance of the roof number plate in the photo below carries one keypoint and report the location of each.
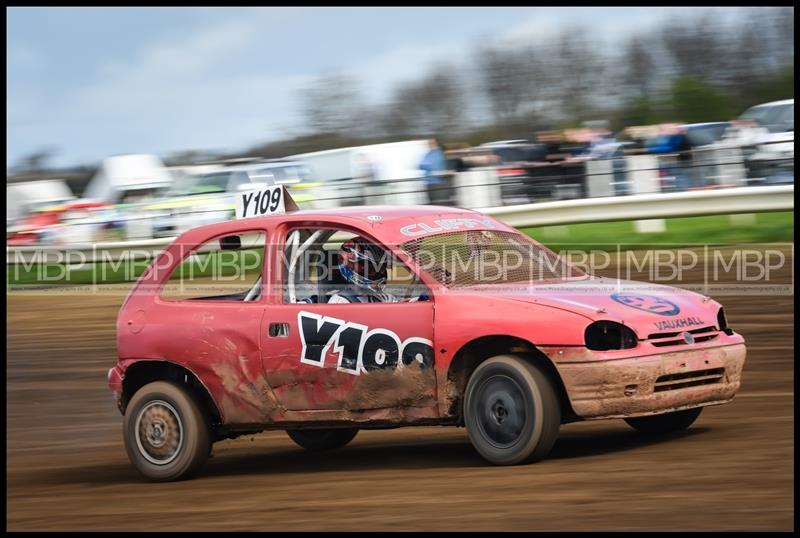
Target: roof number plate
(260, 202)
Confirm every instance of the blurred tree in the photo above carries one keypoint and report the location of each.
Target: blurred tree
(697, 47)
(432, 105)
(330, 103)
(696, 101)
(783, 26)
(35, 162)
(751, 52)
(638, 111)
(698, 67)
(639, 65)
(778, 86)
(577, 74)
(743, 57)
(512, 80)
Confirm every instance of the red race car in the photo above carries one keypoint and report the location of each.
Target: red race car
(325, 322)
(46, 224)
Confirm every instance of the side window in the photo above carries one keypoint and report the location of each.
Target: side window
(326, 265)
(226, 268)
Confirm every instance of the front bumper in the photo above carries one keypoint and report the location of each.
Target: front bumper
(652, 384)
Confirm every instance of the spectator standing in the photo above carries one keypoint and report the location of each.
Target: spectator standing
(434, 167)
(551, 140)
(367, 179)
(673, 140)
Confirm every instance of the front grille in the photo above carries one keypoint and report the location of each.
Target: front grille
(704, 334)
(689, 379)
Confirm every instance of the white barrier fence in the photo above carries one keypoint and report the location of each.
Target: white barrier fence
(634, 207)
(649, 206)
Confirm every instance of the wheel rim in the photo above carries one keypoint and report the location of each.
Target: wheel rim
(159, 432)
(500, 411)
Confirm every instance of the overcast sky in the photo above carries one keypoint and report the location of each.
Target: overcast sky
(93, 82)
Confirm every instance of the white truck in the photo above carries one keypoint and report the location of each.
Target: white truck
(128, 179)
(374, 174)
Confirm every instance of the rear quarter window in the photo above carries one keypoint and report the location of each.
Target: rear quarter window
(214, 272)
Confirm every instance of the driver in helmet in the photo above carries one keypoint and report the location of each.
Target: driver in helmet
(365, 267)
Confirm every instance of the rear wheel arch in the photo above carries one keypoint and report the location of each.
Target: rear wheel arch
(479, 350)
(142, 372)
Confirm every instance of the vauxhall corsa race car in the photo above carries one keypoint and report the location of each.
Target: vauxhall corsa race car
(509, 349)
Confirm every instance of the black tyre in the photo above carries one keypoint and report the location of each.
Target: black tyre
(319, 440)
(166, 434)
(668, 422)
(511, 411)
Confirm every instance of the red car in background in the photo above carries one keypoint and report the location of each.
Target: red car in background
(37, 227)
(476, 325)
(27, 231)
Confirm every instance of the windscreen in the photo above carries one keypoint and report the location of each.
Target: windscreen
(483, 257)
(767, 114)
(706, 134)
(511, 154)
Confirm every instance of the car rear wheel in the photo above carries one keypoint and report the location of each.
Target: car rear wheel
(319, 440)
(668, 422)
(166, 434)
(511, 411)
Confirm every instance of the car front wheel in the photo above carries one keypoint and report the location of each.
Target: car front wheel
(166, 434)
(511, 411)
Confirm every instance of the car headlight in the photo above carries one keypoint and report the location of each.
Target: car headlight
(722, 322)
(609, 335)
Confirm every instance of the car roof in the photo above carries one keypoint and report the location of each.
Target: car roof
(385, 222)
(776, 103)
(708, 124)
(518, 142)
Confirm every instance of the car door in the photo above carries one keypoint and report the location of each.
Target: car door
(349, 357)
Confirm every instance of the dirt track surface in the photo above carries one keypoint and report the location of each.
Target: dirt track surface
(67, 468)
